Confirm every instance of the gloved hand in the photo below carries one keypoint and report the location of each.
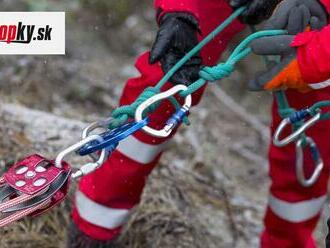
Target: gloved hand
(295, 16)
(257, 10)
(177, 35)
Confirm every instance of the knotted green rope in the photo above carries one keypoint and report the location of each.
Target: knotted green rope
(207, 74)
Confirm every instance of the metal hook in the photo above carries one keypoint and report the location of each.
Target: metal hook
(90, 128)
(111, 137)
(86, 168)
(95, 125)
(307, 182)
(176, 117)
(296, 134)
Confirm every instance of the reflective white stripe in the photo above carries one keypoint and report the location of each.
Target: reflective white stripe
(100, 215)
(321, 85)
(138, 151)
(298, 211)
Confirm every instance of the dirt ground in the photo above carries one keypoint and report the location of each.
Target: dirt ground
(211, 186)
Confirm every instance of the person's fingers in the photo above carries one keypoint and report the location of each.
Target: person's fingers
(181, 77)
(161, 44)
(306, 16)
(276, 45)
(168, 62)
(279, 19)
(195, 61)
(317, 10)
(254, 84)
(263, 78)
(238, 3)
(298, 20)
(192, 72)
(187, 73)
(258, 11)
(316, 24)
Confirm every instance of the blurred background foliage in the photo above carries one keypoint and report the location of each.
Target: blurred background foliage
(121, 30)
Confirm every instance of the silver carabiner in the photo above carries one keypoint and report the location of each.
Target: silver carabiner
(95, 125)
(86, 168)
(295, 135)
(103, 124)
(167, 130)
(308, 182)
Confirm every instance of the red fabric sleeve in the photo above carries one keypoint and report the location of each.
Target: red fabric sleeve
(164, 6)
(313, 53)
(326, 4)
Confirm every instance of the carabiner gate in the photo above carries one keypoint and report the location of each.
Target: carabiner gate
(175, 119)
(111, 137)
(296, 134)
(308, 182)
(86, 168)
(101, 124)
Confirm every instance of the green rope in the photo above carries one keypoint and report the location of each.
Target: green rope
(284, 108)
(286, 111)
(314, 109)
(200, 45)
(207, 74)
(222, 70)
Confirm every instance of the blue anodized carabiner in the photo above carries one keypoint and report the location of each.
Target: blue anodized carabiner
(111, 138)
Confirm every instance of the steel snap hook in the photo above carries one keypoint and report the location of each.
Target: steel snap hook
(296, 134)
(86, 168)
(102, 124)
(110, 137)
(319, 164)
(175, 119)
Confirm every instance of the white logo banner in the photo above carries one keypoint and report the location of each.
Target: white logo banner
(32, 33)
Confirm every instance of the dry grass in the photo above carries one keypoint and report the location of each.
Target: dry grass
(167, 215)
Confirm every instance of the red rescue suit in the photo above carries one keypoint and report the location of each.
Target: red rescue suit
(104, 199)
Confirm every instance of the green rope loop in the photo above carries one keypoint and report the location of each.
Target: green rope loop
(207, 74)
(123, 113)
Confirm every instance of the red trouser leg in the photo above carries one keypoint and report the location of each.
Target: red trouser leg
(104, 198)
(293, 210)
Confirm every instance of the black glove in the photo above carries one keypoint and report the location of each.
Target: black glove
(177, 35)
(257, 10)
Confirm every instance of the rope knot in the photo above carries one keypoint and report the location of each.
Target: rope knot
(217, 72)
(123, 113)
